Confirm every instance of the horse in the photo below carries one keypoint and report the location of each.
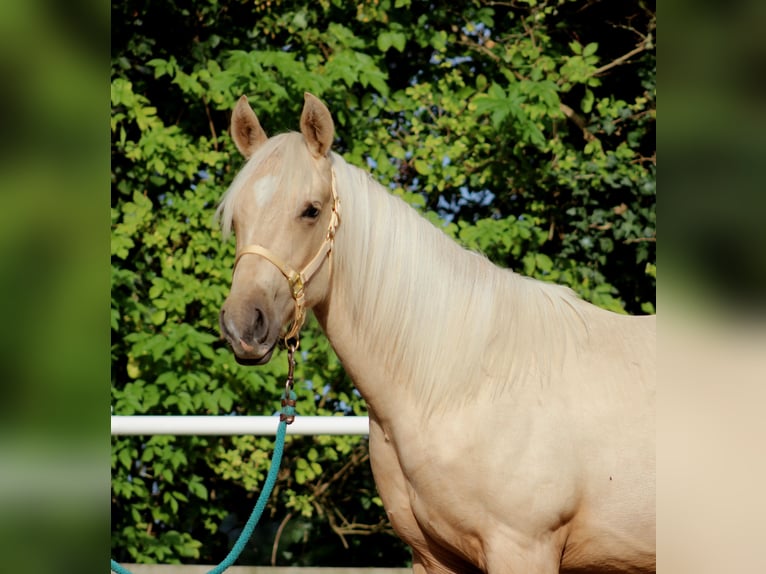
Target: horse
(511, 422)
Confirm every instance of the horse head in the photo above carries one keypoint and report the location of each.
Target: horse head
(283, 209)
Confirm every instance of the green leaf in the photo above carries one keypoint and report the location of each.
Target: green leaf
(587, 102)
(590, 49)
(576, 47)
(384, 41)
(422, 166)
(439, 40)
(543, 262)
(398, 41)
(158, 317)
(125, 458)
(390, 39)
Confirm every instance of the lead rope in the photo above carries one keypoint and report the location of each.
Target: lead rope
(286, 417)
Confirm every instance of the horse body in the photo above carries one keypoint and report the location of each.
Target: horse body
(511, 423)
(556, 472)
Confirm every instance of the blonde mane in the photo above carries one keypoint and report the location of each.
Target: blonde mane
(409, 285)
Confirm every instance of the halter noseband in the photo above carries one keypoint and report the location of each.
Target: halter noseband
(297, 280)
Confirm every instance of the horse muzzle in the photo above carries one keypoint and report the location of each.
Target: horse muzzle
(249, 335)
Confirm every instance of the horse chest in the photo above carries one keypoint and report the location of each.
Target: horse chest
(454, 490)
(422, 516)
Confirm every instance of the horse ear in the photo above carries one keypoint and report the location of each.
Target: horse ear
(316, 125)
(246, 131)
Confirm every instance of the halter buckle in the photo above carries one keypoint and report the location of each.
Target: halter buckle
(295, 280)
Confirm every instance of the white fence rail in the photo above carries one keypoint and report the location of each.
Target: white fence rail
(232, 425)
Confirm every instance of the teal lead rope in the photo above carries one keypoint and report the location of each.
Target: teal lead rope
(286, 417)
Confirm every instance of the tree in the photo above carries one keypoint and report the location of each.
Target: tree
(525, 130)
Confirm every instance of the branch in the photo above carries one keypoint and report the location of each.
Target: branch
(640, 239)
(274, 547)
(465, 41)
(578, 120)
(347, 528)
(529, 31)
(507, 4)
(642, 159)
(210, 123)
(354, 460)
(622, 59)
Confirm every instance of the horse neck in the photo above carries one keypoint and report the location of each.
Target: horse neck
(406, 301)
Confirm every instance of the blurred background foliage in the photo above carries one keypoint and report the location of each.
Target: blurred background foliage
(524, 129)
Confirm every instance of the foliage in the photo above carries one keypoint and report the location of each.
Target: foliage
(525, 130)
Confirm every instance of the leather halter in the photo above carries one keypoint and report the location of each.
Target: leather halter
(298, 279)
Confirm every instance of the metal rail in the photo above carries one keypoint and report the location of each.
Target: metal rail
(236, 425)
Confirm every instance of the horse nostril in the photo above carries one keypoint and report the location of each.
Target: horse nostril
(258, 323)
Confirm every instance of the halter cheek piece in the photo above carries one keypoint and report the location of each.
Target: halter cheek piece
(297, 280)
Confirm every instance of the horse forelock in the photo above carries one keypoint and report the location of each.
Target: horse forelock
(282, 162)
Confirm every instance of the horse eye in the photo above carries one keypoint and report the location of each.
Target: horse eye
(311, 212)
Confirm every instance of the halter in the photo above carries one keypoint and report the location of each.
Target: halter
(297, 280)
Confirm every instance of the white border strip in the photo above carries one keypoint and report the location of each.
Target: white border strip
(236, 425)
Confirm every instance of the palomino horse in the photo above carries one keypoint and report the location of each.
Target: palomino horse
(511, 423)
